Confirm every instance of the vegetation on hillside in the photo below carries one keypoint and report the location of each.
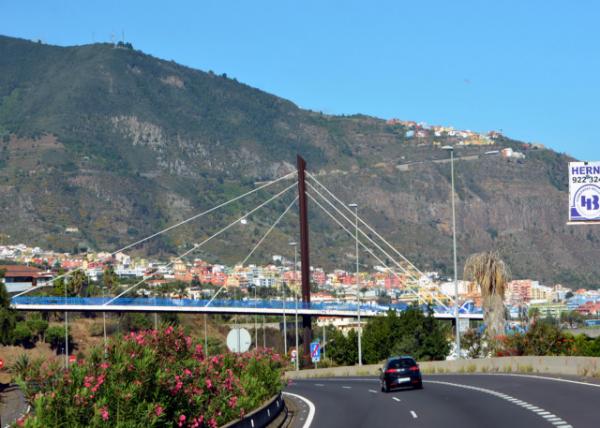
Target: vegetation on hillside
(120, 144)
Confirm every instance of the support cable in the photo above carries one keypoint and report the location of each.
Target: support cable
(378, 235)
(256, 246)
(366, 224)
(413, 289)
(374, 243)
(194, 217)
(196, 246)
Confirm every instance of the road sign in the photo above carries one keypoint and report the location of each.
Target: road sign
(238, 340)
(584, 192)
(315, 352)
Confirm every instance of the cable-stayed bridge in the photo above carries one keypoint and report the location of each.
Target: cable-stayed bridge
(368, 241)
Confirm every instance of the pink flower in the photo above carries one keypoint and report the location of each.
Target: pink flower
(169, 330)
(208, 383)
(233, 401)
(158, 410)
(104, 413)
(181, 420)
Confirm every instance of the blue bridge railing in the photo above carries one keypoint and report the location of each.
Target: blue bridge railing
(225, 303)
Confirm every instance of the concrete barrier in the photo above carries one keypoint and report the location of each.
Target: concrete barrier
(570, 366)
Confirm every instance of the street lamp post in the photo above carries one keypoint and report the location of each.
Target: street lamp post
(284, 321)
(355, 206)
(456, 309)
(294, 244)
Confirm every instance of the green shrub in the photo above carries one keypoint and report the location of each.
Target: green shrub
(22, 335)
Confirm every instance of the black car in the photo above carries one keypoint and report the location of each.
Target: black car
(399, 372)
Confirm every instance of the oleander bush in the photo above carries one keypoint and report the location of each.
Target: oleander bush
(150, 379)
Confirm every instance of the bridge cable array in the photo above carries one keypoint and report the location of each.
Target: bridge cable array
(404, 270)
(165, 230)
(196, 246)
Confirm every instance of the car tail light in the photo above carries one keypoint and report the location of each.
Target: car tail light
(391, 371)
(414, 369)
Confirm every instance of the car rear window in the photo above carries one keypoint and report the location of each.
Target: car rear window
(402, 363)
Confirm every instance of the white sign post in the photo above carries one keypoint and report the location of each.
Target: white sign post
(584, 192)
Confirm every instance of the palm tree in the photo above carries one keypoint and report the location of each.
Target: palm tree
(490, 272)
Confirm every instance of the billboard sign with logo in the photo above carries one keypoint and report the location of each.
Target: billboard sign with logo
(584, 192)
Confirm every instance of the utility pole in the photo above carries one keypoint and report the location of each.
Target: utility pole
(304, 256)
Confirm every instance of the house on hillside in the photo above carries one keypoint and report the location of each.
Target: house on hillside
(19, 278)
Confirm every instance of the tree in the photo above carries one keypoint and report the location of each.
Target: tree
(412, 332)
(7, 315)
(22, 335)
(55, 336)
(490, 272)
(109, 278)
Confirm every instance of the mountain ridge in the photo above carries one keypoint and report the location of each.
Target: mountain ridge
(119, 144)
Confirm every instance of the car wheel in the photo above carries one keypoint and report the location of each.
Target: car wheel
(384, 387)
(419, 385)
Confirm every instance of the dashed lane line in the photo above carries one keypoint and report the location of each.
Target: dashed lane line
(413, 414)
(372, 391)
(396, 399)
(346, 387)
(557, 421)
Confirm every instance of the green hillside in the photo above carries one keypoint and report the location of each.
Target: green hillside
(118, 144)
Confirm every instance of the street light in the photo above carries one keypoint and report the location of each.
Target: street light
(295, 245)
(355, 206)
(284, 320)
(456, 310)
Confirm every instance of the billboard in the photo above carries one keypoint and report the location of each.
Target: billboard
(584, 192)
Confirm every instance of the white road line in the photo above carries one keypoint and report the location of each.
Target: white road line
(311, 408)
(555, 379)
(347, 387)
(396, 399)
(414, 415)
(537, 410)
(373, 391)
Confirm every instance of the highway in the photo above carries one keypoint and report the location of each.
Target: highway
(451, 401)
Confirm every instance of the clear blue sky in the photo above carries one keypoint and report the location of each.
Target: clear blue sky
(530, 68)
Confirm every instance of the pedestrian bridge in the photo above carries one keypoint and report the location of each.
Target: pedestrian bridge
(242, 307)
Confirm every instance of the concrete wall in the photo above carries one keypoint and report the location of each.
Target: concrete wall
(572, 366)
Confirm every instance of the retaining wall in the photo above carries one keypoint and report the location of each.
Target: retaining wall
(570, 366)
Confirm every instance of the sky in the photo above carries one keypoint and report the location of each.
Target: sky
(526, 67)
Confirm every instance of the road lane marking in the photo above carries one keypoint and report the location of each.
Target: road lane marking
(373, 391)
(535, 409)
(555, 379)
(414, 415)
(347, 387)
(311, 408)
(319, 384)
(396, 399)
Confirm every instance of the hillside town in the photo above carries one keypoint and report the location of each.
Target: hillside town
(26, 267)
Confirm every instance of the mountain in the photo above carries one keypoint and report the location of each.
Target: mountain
(102, 145)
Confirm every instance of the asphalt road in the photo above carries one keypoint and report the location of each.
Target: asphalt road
(452, 401)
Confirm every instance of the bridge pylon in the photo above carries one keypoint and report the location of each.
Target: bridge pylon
(304, 258)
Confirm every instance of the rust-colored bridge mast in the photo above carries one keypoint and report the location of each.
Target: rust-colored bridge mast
(304, 258)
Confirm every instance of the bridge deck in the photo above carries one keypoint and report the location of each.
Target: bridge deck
(247, 307)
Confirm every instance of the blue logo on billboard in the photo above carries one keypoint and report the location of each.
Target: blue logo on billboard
(586, 203)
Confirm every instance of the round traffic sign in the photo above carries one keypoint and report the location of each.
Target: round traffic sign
(238, 340)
